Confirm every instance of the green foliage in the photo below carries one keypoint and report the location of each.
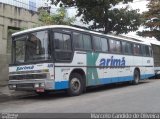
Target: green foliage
(54, 19)
(151, 20)
(104, 15)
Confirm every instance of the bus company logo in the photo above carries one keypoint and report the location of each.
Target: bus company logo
(112, 62)
(24, 68)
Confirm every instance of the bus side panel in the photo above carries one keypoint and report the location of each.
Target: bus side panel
(138, 63)
(147, 69)
(145, 65)
(102, 68)
(114, 70)
(94, 72)
(63, 70)
(126, 73)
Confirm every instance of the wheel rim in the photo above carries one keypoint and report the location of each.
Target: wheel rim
(75, 84)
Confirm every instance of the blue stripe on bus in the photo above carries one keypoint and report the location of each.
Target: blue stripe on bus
(61, 85)
(146, 76)
(115, 79)
(64, 84)
(122, 79)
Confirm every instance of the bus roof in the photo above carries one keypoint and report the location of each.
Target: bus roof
(83, 30)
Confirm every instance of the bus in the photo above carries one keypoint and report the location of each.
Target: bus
(156, 56)
(59, 57)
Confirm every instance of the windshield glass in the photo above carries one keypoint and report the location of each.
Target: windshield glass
(32, 47)
(20, 48)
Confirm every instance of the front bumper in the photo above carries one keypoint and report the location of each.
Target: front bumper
(31, 85)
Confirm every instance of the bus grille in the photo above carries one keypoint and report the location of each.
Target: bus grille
(28, 76)
(29, 86)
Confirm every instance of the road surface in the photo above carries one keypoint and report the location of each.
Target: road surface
(144, 97)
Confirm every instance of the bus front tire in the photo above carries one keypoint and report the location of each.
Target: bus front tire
(75, 85)
(136, 77)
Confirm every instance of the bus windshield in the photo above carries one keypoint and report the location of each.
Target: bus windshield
(31, 47)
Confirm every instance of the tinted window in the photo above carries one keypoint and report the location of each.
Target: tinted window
(100, 44)
(136, 49)
(115, 46)
(97, 43)
(62, 41)
(82, 41)
(77, 40)
(104, 44)
(37, 46)
(58, 40)
(67, 42)
(87, 42)
(143, 51)
(126, 47)
(147, 51)
(150, 51)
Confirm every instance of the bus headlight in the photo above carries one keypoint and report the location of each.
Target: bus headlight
(12, 86)
(36, 85)
(42, 84)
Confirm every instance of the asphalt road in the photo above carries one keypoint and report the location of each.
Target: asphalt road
(144, 97)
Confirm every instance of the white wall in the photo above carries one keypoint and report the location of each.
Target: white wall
(27, 4)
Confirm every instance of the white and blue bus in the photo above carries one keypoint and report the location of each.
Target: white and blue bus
(61, 57)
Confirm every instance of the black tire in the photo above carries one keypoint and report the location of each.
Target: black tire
(75, 85)
(136, 77)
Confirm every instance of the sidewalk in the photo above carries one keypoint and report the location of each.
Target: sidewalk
(8, 95)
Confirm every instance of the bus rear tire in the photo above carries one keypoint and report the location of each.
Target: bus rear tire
(75, 85)
(136, 77)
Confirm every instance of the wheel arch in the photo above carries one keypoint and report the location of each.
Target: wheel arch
(81, 72)
(138, 69)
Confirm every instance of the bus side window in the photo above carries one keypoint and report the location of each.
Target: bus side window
(58, 41)
(77, 40)
(136, 49)
(126, 47)
(115, 46)
(118, 46)
(104, 43)
(67, 42)
(62, 44)
(150, 52)
(62, 41)
(143, 50)
(87, 42)
(112, 45)
(82, 41)
(147, 51)
(97, 43)
(100, 44)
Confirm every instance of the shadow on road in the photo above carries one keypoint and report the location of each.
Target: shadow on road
(63, 94)
(113, 86)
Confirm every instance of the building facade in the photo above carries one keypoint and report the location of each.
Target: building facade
(27, 4)
(12, 18)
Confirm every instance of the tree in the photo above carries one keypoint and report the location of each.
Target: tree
(151, 20)
(59, 18)
(104, 15)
